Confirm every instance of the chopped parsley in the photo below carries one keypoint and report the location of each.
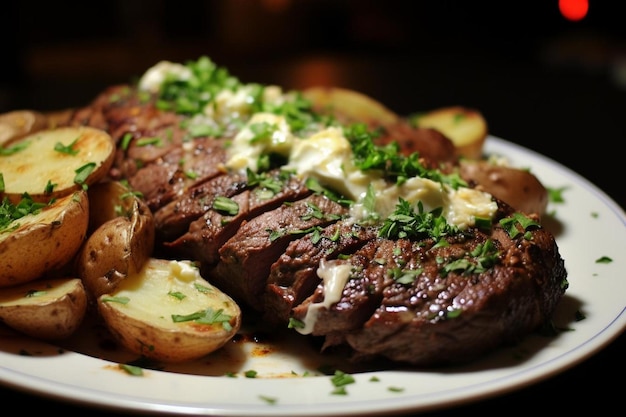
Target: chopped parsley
(389, 160)
(66, 149)
(225, 205)
(208, 316)
(83, 172)
(339, 380)
(512, 224)
(10, 212)
(604, 260)
(406, 223)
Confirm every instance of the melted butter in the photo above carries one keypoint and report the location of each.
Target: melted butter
(327, 156)
(231, 105)
(462, 206)
(153, 78)
(244, 151)
(334, 275)
(183, 271)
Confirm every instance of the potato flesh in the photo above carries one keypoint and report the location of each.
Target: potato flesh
(19, 123)
(150, 290)
(161, 290)
(39, 164)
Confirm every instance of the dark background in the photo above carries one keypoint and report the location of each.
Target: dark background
(549, 84)
(556, 86)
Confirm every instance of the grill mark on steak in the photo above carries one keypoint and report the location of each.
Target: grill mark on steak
(246, 258)
(293, 277)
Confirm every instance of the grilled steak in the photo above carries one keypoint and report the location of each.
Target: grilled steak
(431, 305)
(292, 254)
(245, 259)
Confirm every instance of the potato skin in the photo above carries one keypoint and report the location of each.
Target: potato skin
(54, 315)
(519, 188)
(117, 247)
(44, 242)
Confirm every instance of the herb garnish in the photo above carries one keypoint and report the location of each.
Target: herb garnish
(510, 224)
(10, 212)
(225, 205)
(208, 316)
(66, 149)
(390, 161)
(82, 173)
(405, 223)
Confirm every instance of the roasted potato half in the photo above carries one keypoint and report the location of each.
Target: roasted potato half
(521, 189)
(168, 312)
(121, 241)
(349, 106)
(465, 127)
(19, 123)
(52, 163)
(48, 309)
(45, 240)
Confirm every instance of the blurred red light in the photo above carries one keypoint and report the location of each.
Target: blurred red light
(574, 10)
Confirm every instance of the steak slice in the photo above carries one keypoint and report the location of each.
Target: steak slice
(173, 219)
(293, 277)
(169, 176)
(246, 258)
(442, 307)
(209, 232)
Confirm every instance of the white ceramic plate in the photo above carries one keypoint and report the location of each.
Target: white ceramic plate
(588, 225)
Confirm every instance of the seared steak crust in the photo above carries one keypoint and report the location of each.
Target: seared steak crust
(404, 300)
(442, 318)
